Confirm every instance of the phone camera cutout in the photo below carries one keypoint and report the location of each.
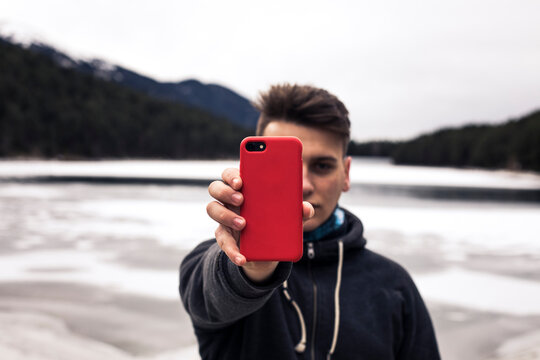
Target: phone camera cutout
(255, 146)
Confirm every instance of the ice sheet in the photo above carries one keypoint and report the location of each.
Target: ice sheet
(88, 267)
(481, 291)
(460, 230)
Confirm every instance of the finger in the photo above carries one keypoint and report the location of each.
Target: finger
(227, 243)
(225, 194)
(224, 216)
(307, 210)
(231, 176)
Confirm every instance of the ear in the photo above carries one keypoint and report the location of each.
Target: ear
(347, 167)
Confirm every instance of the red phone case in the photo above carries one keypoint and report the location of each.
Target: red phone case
(272, 189)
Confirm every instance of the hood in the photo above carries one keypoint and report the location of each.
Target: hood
(328, 248)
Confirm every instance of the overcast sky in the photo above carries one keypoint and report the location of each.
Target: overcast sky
(401, 67)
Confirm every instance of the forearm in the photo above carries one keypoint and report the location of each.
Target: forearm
(216, 292)
(260, 271)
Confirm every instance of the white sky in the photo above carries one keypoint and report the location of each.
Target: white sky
(401, 67)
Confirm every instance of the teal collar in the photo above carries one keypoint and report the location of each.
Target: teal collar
(334, 222)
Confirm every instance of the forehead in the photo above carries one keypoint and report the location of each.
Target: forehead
(316, 142)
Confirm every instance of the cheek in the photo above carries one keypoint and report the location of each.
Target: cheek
(330, 188)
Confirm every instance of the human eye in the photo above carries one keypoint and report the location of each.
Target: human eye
(323, 167)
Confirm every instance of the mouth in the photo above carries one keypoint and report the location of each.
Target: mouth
(315, 206)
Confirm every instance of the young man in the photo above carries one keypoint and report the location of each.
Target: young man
(341, 300)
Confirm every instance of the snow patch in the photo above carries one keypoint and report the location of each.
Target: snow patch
(481, 291)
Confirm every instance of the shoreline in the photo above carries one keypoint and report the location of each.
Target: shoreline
(364, 172)
(366, 159)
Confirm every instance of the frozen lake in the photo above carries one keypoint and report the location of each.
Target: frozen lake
(469, 237)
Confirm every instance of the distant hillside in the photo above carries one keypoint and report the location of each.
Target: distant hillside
(55, 107)
(372, 148)
(215, 99)
(513, 145)
(48, 110)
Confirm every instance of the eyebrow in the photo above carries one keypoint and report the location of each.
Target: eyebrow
(324, 158)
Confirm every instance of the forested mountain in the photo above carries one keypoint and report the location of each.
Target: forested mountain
(48, 110)
(372, 148)
(52, 106)
(512, 145)
(213, 98)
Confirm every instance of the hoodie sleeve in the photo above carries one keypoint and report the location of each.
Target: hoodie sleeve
(216, 292)
(419, 341)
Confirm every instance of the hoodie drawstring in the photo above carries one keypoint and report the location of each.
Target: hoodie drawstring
(301, 346)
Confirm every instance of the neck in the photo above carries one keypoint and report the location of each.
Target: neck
(332, 224)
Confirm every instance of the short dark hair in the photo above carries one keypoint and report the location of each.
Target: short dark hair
(304, 105)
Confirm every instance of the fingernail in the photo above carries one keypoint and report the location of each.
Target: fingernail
(238, 222)
(236, 182)
(237, 198)
(238, 260)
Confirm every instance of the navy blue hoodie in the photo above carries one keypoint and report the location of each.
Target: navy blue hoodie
(340, 301)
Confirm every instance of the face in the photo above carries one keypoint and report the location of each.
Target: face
(325, 168)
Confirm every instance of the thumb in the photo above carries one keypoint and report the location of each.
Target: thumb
(307, 211)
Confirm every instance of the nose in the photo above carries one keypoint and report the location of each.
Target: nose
(307, 185)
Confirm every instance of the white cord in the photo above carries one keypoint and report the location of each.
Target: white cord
(301, 346)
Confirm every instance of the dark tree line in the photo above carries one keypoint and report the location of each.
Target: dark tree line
(513, 145)
(373, 148)
(48, 111)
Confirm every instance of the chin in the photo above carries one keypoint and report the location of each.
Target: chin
(311, 225)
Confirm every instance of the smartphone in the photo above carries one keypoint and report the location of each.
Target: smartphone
(271, 172)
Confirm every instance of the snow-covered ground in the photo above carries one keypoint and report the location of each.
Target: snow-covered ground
(482, 257)
(456, 233)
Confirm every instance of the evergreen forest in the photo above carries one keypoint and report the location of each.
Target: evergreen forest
(53, 111)
(514, 145)
(48, 111)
